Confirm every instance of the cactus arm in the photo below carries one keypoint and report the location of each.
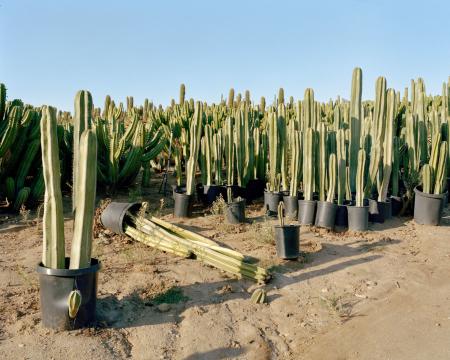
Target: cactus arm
(331, 178)
(360, 178)
(355, 123)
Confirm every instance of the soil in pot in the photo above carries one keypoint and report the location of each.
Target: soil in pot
(287, 238)
(183, 205)
(379, 211)
(306, 211)
(358, 218)
(428, 208)
(271, 201)
(290, 206)
(55, 288)
(235, 212)
(326, 214)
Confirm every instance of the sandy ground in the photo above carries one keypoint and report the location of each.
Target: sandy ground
(384, 294)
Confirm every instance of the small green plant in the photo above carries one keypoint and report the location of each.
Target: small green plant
(174, 295)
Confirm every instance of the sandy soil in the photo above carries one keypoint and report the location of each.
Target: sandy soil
(384, 294)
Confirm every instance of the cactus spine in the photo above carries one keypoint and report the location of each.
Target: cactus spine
(53, 255)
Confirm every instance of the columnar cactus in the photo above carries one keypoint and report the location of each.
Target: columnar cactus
(341, 165)
(308, 164)
(229, 150)
(296, 163)
(427, 179)
(441, 170)
(82, 121)
(182, 94)
(80, 256)
(360, 178)
(355, 124)
(331, 178)
(53, 255)
(322, 161)
(195, 133)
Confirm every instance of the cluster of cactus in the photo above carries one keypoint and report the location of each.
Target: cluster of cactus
(84, 179)
(290, 145)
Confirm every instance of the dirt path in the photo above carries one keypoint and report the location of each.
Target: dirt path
(380, 295)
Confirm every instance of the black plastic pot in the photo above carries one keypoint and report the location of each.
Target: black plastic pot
(55, 288)
(428, 207)
(255, 189)
(306, 211)
(199, 191)
(326, 214)
(290, 206)
(341, 218)
(235, 212)
(271, 201)
(396, 205)
(379, 211)
(176, 188)
(211, 193)
(113, 215)
(287, 240)
(183, 204)
(234, 192)
(358, 218)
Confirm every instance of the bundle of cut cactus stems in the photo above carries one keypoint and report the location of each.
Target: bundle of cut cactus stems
(172, 239)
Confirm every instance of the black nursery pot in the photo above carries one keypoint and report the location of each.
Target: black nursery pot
(55, 288)
(341, 218)
(290, 206)
(211, 193)
(271, 201)
(235, 192)
(306, 212)
(176, 188)
(396, 205)
(287, 239)
(379, 211)
(235, 212)
(326, 214)
(358, 218)
(183, 205)
(112, 217)
(255, 189)
(428, 207)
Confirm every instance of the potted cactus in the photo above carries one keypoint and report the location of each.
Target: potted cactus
(395, 198)
(184, 199)
(286, 237)
(234, 209)
(326, 210)
(307, 205)
(341, 218)
(358, 214)
(429, 198)
(68, 286)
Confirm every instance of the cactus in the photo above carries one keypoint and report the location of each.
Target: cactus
(53, 221)
(282, 146)
(427, 176)
(217, 156)
(26, 162)
(322, 160)
(12, 128)
(331, 178)
(360, 178)
(281, 213)
(259, 296)
(341, 166)
(395, 165)
(308, 164)
(85, 202)
(229, 150)
(296, 163)
(387, 146)
(82, 121)
(182, 94)
(231, 99)
(274, 153)
(2, 100)
(21, 198)
(441, 170)
(281, 96)
(355, 124)
(195, 133)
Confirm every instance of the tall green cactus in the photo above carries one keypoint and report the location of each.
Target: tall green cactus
(387, 146)
(182, 94)
(80, 256)
(360, 178)
(322, 161)
(427, 179)
(53, 255)
(341, 166)
(2, 100)
(82, 121)
(229, 150)
(441, 170)
(195, 133)
(331, 178)
(308, 164)
(355, 124)
(296, 163)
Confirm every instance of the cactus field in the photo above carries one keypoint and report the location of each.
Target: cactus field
(190, 277)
